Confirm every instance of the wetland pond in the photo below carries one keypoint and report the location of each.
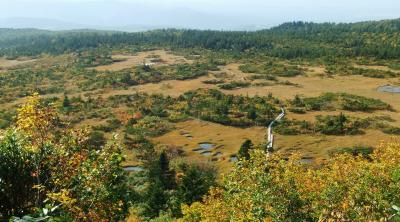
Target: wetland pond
(233, 159)
(133, 168)
(389, 89)
(204, 148)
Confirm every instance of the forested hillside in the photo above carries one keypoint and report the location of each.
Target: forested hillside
(291, 40)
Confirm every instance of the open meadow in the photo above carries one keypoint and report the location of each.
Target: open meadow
(314, 82)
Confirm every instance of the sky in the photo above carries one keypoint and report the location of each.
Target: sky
(201, 14)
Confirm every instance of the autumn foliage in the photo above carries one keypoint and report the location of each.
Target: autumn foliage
(45, 165)
(345, 188)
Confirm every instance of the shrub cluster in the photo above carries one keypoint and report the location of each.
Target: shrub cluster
(274, 69)
(343, 101)
(344, 188)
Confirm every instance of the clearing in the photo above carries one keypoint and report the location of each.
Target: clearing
(155, 57)
(7, 64)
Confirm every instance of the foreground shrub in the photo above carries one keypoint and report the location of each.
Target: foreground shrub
(43, 164)
(16, 189)
(345, 188)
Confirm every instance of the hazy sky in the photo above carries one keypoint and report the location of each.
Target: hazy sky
(215, 14)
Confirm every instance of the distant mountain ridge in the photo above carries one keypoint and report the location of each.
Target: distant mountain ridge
(38, 23)
(58, 25)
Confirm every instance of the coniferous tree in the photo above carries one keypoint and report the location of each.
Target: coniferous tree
(66, 103)
(195, 183)
(155, 200)
(167, 176)
(244, 149)
(127, 79)
(252, 114)
(161, 180)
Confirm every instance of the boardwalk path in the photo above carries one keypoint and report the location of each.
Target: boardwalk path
(270, 136)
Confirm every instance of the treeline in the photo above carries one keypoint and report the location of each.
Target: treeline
(379, 39)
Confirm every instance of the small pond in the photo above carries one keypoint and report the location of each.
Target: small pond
(389, 89)
(233, 159)
(206, 153)
(306, 160)
(133, 168)
(217, 154)
(206, 146)
(187, 135)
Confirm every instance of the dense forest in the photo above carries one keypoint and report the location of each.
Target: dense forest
(291, 40)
